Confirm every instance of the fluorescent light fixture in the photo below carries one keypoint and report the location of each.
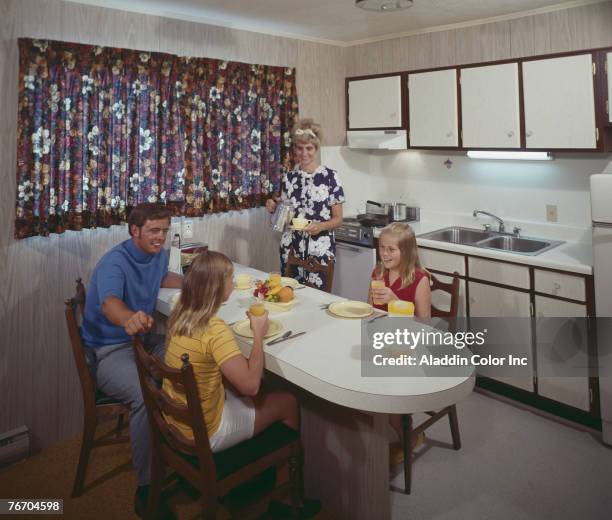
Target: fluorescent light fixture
(510, 156)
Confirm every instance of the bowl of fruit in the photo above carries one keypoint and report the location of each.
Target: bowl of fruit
(275, 298)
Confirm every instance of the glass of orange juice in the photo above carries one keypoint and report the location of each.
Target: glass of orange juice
(377, 284)
(400, 308)
(257, 308)
(275, 279)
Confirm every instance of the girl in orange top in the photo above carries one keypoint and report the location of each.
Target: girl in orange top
(233, 406)
(401, 271)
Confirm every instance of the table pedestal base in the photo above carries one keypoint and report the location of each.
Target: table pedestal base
(346, 462)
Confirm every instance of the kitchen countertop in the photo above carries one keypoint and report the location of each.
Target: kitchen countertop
(327, 360)
(573, 255)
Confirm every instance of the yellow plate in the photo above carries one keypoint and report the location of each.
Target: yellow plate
(243, 287)
(290, 282)
(243, 328)
(350, 309)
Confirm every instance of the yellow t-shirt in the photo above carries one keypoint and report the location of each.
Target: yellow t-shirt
(206, 353)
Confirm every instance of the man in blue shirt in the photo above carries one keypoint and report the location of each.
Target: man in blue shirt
(120, 302)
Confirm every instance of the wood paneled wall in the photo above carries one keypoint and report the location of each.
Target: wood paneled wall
(559, 31)
(38, 384)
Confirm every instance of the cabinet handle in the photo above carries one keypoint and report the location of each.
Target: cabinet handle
(528, 133)
(449, 134)
(511, 133)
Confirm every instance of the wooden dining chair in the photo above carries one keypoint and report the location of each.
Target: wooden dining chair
(410, 432)
(310, 264)
(96, 404)
(214, 475)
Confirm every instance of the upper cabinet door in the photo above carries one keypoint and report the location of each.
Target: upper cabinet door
(559, 103)
(432, 109)
(490, 106)
(609, 67)
(375, 103)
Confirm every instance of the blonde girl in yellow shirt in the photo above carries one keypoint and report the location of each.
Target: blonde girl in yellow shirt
(239, 410)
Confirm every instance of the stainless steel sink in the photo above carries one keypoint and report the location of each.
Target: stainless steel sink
(526, 246)
(458, 235)
(492, 240)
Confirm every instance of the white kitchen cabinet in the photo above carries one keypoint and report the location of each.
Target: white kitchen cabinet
(490, 106)
(609, 67)
(509, 333)
(559, 102)
(499, 272)
(442, 261)
(560, 284)
(432, 109)
(375, 102)
(560, 345)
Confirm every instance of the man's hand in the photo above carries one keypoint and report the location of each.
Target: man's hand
(138, 323)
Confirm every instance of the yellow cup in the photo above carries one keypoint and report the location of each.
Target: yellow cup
(257, 309)
(399, 308)
(275, 279)
(377, 284)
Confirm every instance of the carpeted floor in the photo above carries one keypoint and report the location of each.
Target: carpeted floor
(109, 489)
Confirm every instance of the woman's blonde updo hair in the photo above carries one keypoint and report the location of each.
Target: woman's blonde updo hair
(306, 131)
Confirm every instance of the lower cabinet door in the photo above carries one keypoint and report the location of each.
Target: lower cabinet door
(510, 330)
(562, 352)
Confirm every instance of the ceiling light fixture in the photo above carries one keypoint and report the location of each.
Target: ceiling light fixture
(524, 156)
(384, 5)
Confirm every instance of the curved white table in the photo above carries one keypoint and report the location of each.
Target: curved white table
(344, 431)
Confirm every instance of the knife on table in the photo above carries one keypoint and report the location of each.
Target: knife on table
(280, 340)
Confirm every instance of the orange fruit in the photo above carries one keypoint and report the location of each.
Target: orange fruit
(285, 295)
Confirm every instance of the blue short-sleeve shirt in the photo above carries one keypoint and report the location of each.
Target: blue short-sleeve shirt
(129, 274)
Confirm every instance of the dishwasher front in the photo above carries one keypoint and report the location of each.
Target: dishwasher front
(353, 270)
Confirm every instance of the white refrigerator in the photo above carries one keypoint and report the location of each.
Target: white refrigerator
(601, 214)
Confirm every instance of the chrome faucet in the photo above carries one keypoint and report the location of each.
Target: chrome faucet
(502, 227)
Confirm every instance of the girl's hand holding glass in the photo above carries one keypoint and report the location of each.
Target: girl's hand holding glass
(259, 321)
(382, 295)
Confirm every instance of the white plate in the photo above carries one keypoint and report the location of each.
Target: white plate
(243, 328)
(350, 309)
(290, 282)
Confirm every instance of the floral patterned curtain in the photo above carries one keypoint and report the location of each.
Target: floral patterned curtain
(102, 129)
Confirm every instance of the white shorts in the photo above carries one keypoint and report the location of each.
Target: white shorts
(237, 422)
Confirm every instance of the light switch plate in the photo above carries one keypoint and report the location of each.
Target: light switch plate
(187, 229)
(551, 213)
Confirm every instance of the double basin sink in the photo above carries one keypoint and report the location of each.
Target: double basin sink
(492, 240)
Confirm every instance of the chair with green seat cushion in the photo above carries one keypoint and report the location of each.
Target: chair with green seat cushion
(214, 475)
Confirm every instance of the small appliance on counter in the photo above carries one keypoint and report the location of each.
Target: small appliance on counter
(189, 251)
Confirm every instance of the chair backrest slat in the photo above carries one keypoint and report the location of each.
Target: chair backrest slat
(453, 290)
(311, 264)
(158, 402)
(74, 306)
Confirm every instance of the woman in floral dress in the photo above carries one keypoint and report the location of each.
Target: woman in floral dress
(316, 194)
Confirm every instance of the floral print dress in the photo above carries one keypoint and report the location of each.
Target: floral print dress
(312, 196)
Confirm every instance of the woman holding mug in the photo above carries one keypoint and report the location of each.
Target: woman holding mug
(316, 194)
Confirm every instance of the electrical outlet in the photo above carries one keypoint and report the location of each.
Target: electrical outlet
(551, 212)
(187, 229)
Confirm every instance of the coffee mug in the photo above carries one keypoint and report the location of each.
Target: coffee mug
(242, 280)
(300, 223)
